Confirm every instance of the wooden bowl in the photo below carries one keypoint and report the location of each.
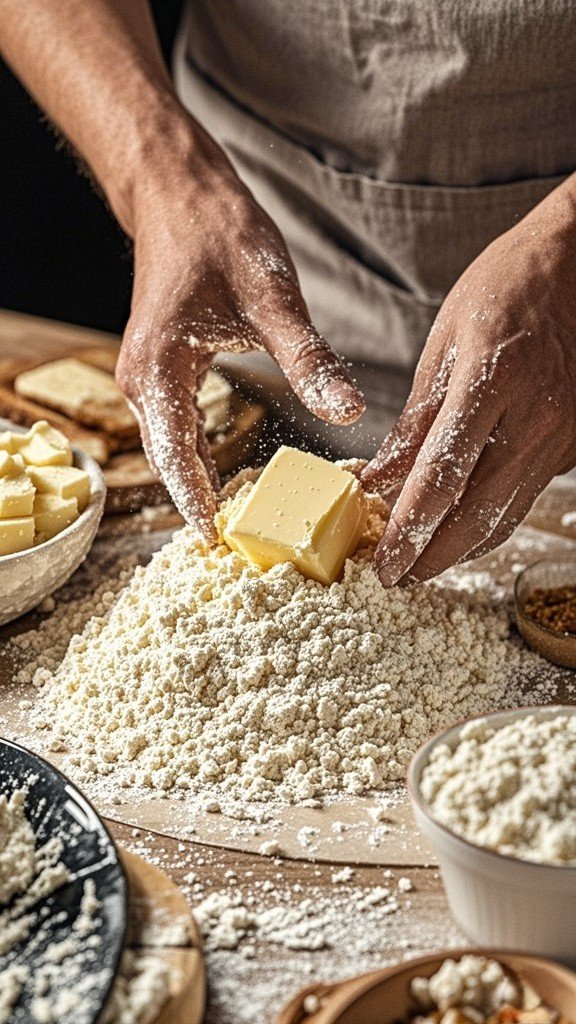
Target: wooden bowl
(559, 648)
(383, 997)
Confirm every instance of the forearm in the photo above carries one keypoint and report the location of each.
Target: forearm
(96, 68)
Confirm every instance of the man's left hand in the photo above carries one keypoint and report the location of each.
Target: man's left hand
(492, 413)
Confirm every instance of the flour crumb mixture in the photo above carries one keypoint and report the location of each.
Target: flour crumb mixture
(209, 672)
(510, 789)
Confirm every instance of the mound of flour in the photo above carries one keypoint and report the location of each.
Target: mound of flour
(209, 671)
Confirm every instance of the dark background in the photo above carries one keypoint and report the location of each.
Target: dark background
(61, 252)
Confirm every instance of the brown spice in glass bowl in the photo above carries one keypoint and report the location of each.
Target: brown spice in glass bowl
(554, 608)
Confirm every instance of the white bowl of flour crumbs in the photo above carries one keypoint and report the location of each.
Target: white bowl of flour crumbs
(29, 575)
(496, 796)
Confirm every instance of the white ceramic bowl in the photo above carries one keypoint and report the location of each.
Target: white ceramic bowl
(27, 577)
(500, 901)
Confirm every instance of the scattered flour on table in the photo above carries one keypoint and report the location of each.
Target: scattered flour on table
(511, 789)
(272, 930)
(207, 671)
(307, 924)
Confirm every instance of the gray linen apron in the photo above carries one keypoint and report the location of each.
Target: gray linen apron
(391, 141)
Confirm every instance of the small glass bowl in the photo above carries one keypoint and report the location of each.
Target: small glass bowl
(560, 648)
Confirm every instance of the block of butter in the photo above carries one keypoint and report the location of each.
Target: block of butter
(16, 490)
(7, 443)
(302, 509)
(11, 465)
(43, 445)
(16, 495)
(16, 534)
(65, 481)
(53, 514)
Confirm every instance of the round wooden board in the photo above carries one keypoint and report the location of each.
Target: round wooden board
(155, 904)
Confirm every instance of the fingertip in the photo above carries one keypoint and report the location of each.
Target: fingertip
(409, 580)
(199, 514)
(372, 476)
(205, 528)
(386, 577)
(337, 401)
(391, 556)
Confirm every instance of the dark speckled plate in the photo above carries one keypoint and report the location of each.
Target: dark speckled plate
(55, 808)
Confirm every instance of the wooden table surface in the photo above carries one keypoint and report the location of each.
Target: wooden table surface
(250, 984)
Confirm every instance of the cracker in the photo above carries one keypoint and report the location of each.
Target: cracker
(83, 392)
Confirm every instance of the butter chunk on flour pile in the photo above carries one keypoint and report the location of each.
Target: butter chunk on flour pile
(209, 672)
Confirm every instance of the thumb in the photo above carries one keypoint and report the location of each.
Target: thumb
(316, 373)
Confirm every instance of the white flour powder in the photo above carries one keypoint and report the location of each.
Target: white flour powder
(225, 920)
(511, 789)
(11, 984)
(208, 671)
(17, 846)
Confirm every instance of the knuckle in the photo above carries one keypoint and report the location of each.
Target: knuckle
(126, 377)
(442, 477)
(423, 570)
(309, 352)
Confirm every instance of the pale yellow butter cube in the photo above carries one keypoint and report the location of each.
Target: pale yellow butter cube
(7, 441)
(53, 514)
(302, 509)
(6, 463)
(16, 534)
(11, 465)
(16, 490)
(65, 481)
(43, 445)
(16, 495)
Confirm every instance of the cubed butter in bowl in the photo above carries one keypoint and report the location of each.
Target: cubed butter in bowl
(51, 502)
(302, 509)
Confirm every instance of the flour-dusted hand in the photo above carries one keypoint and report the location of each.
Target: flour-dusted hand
(212, 274)
(492, 413)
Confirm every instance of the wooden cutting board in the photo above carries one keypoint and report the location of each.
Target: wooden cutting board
(131, 483)
(155, 903)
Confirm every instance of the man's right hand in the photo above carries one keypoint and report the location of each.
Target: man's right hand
(212, 274)
(211, 270)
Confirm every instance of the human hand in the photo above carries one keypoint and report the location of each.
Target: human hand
(492, 413)
(212, 274)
